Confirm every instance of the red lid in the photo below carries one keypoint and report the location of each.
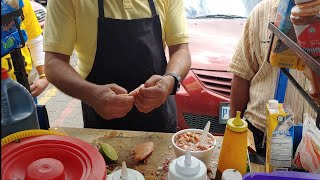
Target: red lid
(51, 157)
(4, 74)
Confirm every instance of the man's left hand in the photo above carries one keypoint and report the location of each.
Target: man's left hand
(38, 86)
(154, 93)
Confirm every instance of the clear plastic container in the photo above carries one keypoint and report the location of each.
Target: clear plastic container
(18, 111)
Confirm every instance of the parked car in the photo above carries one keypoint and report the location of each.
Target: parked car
(215, 28)
(40, 12)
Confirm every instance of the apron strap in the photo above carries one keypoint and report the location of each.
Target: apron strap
(153, 8)
(101, 8)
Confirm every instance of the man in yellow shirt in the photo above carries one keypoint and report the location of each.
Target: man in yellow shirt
(33, 52)
(120, 46)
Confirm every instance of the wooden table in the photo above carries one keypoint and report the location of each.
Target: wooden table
(124, 141)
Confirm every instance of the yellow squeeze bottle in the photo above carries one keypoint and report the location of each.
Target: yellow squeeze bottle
(233, 153)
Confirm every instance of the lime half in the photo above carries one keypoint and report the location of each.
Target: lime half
(108, 152)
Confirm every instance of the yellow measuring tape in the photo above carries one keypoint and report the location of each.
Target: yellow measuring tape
(27, 133)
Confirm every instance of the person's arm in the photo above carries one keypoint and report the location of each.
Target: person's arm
(239, 95)
(314, 80)
(103, 98)
(180, 62)
(34, 44)
(157, 89)
(37, 55)
(244, 66)
(59, 42)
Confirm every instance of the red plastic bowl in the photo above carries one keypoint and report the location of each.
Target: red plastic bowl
(52, 157)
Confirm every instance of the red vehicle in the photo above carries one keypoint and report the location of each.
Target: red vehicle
(204, 94)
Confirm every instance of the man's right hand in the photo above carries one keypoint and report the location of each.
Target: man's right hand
(110, 101)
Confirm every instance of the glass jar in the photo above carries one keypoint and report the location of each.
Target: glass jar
(306, 21)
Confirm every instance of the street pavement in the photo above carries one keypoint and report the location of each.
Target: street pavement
(63, 110)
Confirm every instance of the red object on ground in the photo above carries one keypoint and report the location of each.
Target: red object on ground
(51, 157)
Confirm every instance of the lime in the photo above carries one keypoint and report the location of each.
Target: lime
(108, 152)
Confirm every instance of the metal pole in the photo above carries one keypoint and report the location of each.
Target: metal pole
(306, 96)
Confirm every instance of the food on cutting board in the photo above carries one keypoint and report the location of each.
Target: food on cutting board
(192, 140)
(142, 151)
(108, 152)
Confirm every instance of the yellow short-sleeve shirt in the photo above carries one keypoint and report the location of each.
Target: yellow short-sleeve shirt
(72, 24)
(31, 25)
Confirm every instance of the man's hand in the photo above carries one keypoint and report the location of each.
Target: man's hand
(154, 93)
(38, 86)
(110, 101)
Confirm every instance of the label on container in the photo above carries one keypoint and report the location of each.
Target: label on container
(281, 56)
(309, 38)
(279, 137)
(281, 149)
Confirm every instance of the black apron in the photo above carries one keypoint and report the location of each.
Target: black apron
(128, 53)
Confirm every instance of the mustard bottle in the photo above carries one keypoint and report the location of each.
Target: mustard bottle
(233, 153)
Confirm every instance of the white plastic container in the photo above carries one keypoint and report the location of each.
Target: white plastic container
(187, 167)
(125, 174)
(204, 156)
(231, 174)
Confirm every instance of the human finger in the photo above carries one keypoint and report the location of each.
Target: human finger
(117, 89)
(136, 91)
(152, 81)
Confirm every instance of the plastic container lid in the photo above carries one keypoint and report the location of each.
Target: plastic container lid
(187, 167)
(231, 174)
(51, 157)
(126, 174)
(281, 175)
(274, 104)
(4, 74)
(237, 124)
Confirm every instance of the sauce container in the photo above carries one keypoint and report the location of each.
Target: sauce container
(306, 21)
(187, 167)
(233, 153)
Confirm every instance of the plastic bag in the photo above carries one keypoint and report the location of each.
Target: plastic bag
(10, 38)
(307, 156)
(8, 6)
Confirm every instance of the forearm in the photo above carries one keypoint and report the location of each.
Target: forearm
(180, 60)
(61, 74)
(40, 69)
(36, 51)
(239, 95)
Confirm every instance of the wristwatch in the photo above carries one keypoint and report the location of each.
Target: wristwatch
(177, 80)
